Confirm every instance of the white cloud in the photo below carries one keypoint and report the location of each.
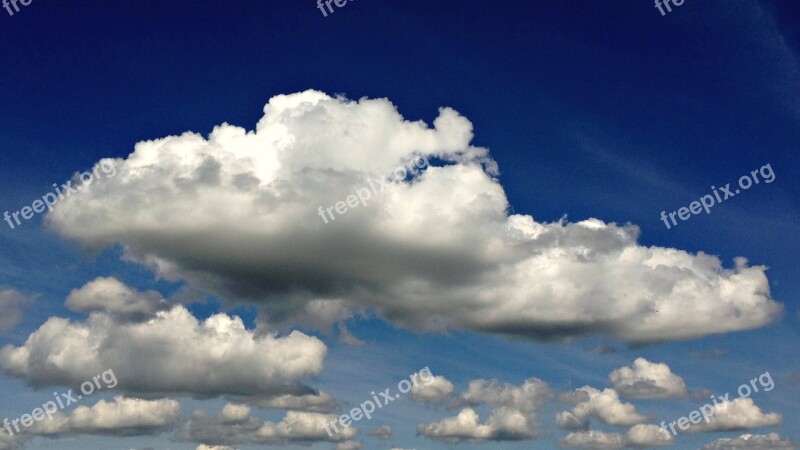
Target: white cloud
(772, 441)
(232, 413)
(214, 447)
(349, 445)
(435, 389)
(117, 299)
(300, 427)
(12, 303)
(513, 414)
(236, 214)
(173, 353)
(648, 436)
(647, 380)
(604, 405)
(504, 424)
(593, 439)
(739, 414)
(528, 397)
(382, 432)
(122, 417)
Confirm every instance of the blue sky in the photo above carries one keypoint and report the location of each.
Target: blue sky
(591, 110)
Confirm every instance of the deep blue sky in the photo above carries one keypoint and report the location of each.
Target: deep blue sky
(591, 109)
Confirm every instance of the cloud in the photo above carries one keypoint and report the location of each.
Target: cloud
(173, 353)
(528, 397)
(214, 447)
(435, 389)
(772, 441)
(315, 402)
(739, 414)
(382, 432)
(648, 436)
(504, 424)
(298, 427)
(603, 405)
(593, 439)
(639, 436)
(237, 214)
(8, 442)
(349, 445)
(513, 415)
(12, 303)
(117, 299)
(122, 417)
(646, 380)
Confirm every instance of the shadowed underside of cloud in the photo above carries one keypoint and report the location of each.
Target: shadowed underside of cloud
(237, 214)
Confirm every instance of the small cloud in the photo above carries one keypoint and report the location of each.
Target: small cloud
(12, 304)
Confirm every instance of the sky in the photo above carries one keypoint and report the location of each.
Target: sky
(500, 225)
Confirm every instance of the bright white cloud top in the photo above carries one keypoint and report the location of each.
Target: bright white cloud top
(237, 214)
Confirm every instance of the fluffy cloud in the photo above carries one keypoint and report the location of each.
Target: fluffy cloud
(233, 427)
(122, 417)
(12, 303)
(772, 441)
(593, 439)
(528, 397)
(117, 299)
(237, 214)
(739, 414)
(173, 353)
(648, 436)
(504, 424)
(647, 380)
(513, 414)
(349, 445)
(433, 390)
(382, 432)
(604, 405)
(214, 447)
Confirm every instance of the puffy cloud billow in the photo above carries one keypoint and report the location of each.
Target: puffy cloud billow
(513, 411)
(237, 214)
(647, 380)
(122, 417)
(172, 353)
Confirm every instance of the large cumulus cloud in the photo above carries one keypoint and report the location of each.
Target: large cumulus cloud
(237, 214)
